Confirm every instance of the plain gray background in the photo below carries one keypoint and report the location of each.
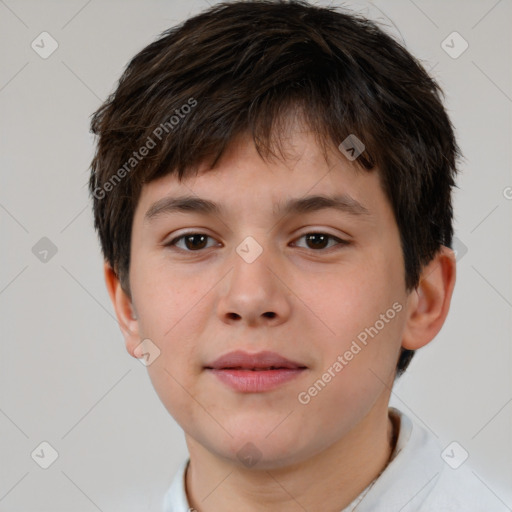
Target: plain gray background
(65, 377)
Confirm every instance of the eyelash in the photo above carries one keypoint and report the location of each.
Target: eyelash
(340, 241)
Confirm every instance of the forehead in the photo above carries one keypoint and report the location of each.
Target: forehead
(302, 178)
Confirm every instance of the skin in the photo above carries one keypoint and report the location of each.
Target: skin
(197, 305)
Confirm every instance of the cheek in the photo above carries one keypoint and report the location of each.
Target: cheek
(347, 302)
(361, 312)
(172, 313)
(174, 321)
(164, 297)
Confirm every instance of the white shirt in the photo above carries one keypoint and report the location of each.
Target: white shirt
(417, 479)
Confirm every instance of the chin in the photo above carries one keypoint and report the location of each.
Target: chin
(253, 450)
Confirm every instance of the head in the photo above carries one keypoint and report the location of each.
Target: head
(250, 105)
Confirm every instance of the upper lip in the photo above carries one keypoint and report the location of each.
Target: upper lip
(244, 360)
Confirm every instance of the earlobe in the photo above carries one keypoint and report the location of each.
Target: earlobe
(429, 303)
(124, 309)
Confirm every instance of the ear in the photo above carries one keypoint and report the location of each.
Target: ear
(428, 304)
(125, 312)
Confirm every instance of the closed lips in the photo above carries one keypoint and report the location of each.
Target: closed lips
(265, 360)
(257, 369)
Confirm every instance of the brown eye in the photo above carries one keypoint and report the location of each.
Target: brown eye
(319, 241)
(192, 242)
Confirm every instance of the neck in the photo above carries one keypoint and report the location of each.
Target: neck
(333, 477)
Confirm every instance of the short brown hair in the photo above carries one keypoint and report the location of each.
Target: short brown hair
(238, 68)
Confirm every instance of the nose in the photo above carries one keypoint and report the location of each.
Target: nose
(254, 292)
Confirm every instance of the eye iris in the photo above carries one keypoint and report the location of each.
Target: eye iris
(318, 236)
(190, 239)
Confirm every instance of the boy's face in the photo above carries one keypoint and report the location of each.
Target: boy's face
(307, 300)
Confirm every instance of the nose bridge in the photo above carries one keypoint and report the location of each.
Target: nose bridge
(253, 293)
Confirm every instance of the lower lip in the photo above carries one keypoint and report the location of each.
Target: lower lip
(255, 381)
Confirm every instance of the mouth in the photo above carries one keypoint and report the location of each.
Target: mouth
(254, 373)
(254, 369)
(260, 361)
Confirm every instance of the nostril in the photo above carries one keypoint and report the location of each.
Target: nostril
(270, 314)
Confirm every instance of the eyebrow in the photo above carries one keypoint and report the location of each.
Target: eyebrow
(193, 204)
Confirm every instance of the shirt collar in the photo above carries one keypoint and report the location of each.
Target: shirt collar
(410, 475)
